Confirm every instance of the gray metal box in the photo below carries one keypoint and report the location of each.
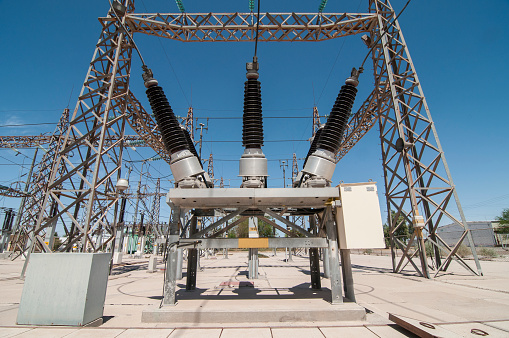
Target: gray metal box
(64, 289)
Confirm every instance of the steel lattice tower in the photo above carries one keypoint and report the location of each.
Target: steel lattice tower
(418, 183)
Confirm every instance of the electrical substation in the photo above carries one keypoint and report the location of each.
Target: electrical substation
(79, 183)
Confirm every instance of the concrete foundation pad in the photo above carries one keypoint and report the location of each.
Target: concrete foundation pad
(244, 311)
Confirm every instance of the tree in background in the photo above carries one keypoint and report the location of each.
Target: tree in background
(403, 232)
(504, 222)
(242, 230)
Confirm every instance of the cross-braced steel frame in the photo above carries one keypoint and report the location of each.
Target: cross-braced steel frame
(417, 180)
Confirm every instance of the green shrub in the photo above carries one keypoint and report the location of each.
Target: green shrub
(488, 252)
(464, 251)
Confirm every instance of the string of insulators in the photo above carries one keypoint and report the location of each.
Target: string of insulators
(135, 143)
(252, 132)
(332, 133)
(323, 3)
(155, 158)
(251, 5)
(180, 5)
(172, 135)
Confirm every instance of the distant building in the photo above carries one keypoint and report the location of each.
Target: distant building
(482, 233)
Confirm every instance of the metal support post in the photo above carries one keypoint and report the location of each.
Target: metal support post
(192, 259)
(253, 264)
(6, 229)
(346, 266)
(170, 282)
(335, 273)
(180, 258)
(23, 199)
(121, 224)
(325, 253)
(50, 233)
(290, 255)
(314, 264)
(192, 265)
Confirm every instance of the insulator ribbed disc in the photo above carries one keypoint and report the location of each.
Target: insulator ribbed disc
(173, 136)
(252, 132)
(332, 134)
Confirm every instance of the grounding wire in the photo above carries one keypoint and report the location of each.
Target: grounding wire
(384, 32)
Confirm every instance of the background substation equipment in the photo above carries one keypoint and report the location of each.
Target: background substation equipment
(417, 181)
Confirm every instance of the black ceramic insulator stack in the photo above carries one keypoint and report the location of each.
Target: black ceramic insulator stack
(252, 132)
(173, 136)
(332, 133)
(312, 148)
(190, 144)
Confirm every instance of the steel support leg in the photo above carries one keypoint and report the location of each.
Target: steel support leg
(170, 282)
(333, 252)
(253, 264)
(325, 253)
(314, 264)
(192, 267)
(346, 266)
(180, 258)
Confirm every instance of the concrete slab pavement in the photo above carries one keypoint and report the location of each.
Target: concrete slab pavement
(456, 297)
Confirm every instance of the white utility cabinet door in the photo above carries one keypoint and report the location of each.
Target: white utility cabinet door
(358, 218)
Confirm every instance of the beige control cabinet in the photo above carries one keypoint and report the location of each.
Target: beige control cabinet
(358, 217)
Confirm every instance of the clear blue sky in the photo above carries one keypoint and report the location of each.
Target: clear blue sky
(459, 50)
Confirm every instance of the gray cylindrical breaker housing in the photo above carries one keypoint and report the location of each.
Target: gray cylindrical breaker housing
(184, 164)
(321, 163)
(253, 163)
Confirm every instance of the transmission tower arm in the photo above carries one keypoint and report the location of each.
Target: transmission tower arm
(238, 26)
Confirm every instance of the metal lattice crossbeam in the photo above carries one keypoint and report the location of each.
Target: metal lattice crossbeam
(32, 141)
(242, 26)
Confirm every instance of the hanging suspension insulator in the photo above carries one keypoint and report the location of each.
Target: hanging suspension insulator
(332, 134)
(252, 132)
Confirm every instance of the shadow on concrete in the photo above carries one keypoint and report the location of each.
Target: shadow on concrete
(301, 291)
(106, 318)
(383, 270)
(128, 267)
